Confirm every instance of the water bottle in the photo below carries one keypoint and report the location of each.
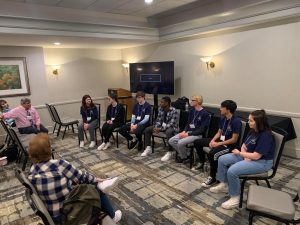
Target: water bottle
(205, 169)
(186, 107)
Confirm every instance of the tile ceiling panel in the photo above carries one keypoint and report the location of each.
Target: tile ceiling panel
(44, 2)
(76, 4)
(106, 5)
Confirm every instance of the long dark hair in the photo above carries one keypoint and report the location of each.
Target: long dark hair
(261, 120)
(83, 104)
(113, 96)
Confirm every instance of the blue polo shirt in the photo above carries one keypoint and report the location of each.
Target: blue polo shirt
(262, 143)
(230, 126)
(198, 119)
(141, 111)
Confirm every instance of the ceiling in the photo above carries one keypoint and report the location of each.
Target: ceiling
(128, 23)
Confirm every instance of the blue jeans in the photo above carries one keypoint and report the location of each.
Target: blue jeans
(106, 205)
(231, 166)
(33, 130)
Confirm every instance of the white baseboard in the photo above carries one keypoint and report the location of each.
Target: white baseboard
(292, 152)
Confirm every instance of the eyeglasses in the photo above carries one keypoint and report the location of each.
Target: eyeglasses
(193, 100)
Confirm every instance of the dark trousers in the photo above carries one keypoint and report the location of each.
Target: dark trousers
(33, 130)
(107, 130)
(212, 156)
(125, 131)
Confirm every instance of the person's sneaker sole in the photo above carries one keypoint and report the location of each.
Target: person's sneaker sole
(115, 183)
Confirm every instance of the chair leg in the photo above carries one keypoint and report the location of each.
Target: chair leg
(152, 143)
(242, 192)
(95, 133)
(117, 139)
(73, 129)
(192, 157)
(64, 133)
(165, 142)
(54, 128)
(251, 215)
(25, 162)
(85, 135)
(58, 130)
(268, 183)
(257, 183)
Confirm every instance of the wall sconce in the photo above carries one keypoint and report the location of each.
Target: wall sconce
(208, 61)
(126, 66)
(55, 69)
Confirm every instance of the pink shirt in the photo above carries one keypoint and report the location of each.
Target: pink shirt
(20, 115)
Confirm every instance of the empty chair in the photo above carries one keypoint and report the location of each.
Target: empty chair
(63, 122)
(273, 204)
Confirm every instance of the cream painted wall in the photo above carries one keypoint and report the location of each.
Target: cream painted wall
(256, 68)
(83, 71)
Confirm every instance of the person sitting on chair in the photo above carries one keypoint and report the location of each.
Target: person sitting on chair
(55, 178)
(166, 122)
(114, 118)
(198, 122)
(140, 119)
(4, 107)
(89, 113)
(26, 118)
(254, 157)
(222, 143)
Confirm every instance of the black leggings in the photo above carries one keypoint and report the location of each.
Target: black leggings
(107, 130)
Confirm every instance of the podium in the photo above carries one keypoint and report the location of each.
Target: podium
(124, 97)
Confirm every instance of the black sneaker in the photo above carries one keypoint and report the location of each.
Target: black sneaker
(140, 146)
(199, 166)
(180, 160)
(209, 181)
(132, 144)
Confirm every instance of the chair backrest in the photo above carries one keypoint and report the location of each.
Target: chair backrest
(125, 114)
(209, 125)
(17, 141)
(50, 112)
(5, 127)
(99, 113)
(178, 117)
(279, 138)
(241, 136)
(39, 207)
(55, 114)
(152, 116)
(24, 180)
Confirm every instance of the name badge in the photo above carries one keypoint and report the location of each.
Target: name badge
(89, 118)
(222, 138)
(192, 125)
(29, 117)
(164, 124)
(139, 118)
(113, 118)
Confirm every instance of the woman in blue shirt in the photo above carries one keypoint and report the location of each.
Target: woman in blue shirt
(89, 113)
(4, 107)
(255, 156)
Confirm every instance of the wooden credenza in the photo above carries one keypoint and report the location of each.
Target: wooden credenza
(124, 97)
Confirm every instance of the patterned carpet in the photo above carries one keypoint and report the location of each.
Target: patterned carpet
(149, 192)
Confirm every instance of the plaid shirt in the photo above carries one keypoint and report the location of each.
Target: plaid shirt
(171, 119)
(54, 180)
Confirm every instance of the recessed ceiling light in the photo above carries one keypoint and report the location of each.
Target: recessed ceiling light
(57, 43)
(148, 1)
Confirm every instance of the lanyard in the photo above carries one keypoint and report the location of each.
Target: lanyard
(113, 111)
(226, 126)
(141, 110)
(195, 116)
(249, 139)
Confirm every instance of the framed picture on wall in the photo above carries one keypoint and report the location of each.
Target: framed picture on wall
(13, 77)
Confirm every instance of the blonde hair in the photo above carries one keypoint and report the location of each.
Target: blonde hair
(198, 98)
(40, 148)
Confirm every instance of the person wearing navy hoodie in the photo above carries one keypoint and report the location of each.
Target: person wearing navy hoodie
(140, 119)
(89, 113)
(198, 122)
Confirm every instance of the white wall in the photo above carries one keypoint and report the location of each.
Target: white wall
(256, 68)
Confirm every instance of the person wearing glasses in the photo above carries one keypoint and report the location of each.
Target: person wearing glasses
(26, 118)
(198, 122)
(222, 143)
(114, 118)
(140, 119)
(254, 157)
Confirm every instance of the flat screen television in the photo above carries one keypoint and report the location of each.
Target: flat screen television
(152, 77)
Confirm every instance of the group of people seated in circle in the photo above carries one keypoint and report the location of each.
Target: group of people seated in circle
(54, 179)
(227, 160)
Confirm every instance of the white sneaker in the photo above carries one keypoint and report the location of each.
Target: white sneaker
(108, 184)
(101, 146)
(118, 216)
(107, 145)
(232, 203)
(92, 144)
(166, 157)
(220, 188)
(147, 151)
(81, 145)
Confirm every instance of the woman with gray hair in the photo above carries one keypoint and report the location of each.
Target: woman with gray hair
(26, 117)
